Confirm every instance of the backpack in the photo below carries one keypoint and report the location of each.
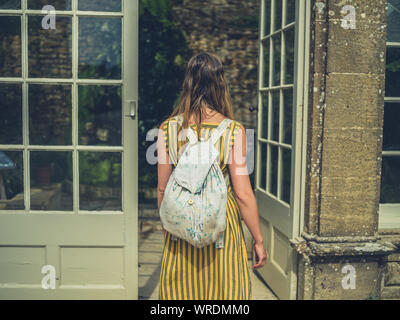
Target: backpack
(194, 204)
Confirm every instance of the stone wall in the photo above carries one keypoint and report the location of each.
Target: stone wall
(344, 146)
(390, 284)
(228, 28)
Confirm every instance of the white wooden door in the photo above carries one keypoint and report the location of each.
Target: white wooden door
(68, 149)
(280, 137)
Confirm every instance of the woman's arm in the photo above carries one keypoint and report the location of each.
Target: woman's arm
(242, 187)
(163, 166)
(244, 194)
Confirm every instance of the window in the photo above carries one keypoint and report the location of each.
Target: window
(390, 179)
(276, 98)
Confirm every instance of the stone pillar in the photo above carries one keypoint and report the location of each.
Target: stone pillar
(346, 100)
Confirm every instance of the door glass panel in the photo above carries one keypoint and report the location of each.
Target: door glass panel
(277, 60)
(288, 115)
(286, 171)
(273, 170)
(100, 117)
(57, 4)
(264, 115)
(390, 186)
(11, 114)
(99, 48)
(393, 21)
(10, 46)
(278, 14)
(100, 5)
(11, 180)
(289, 56)
(263, 165)
(51, 180)
(100, 182)
(265, 44)
(290, 11)
(50, 50)
(10, 4)
(392, 72)
(267, 17)
(50, 119)
(275, 115)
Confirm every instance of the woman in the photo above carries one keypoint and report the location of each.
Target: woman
(208, 273)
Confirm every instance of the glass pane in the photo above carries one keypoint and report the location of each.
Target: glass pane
(267, 17)
(392, 72)
(263, 166)
(286, 173)
(278, 14)
(287, 116)
(273, 173)
(277, 60)
(275, 115)
(391, 127)
(266, 63)
(100, 48)
(11, 180)
(289, 56)
(393, 21)
(100, 181)
(11, 113)
(390, 186)
(57, 4)
(50, 50)
(50, 115)
(100, 117)
(10, 4)
(264, 115)
(51, 180)
(290, 11)
(100, 5)
(10, 46)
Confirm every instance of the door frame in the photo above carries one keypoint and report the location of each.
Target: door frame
(299, 135)
(68, 229)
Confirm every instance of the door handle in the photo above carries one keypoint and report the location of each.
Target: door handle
(132, 108)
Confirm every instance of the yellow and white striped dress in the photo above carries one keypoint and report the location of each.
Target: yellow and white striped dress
(208, 273)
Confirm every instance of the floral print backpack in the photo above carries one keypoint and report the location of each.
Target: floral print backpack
(195, 198)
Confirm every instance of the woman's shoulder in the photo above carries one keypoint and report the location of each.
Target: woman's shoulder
(166, 122)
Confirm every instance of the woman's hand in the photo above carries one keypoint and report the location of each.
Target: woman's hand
(261, 255)
(164, 232)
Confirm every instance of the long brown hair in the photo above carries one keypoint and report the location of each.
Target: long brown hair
(204, 85)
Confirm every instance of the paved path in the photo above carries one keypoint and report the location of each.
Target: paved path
(151, 242)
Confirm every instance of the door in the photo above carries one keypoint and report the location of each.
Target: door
(68, 141)
(279, 137)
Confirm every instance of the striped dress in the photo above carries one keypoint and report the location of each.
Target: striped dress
(206, 273)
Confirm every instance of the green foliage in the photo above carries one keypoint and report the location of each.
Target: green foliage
(100, 169)
(163, 55)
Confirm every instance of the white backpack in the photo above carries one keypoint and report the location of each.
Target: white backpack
(194, 203)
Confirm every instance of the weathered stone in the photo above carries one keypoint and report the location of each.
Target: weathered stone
(389, 293)
(392, 276)
(329, 278)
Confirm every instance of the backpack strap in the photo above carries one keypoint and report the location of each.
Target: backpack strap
(220, 130)
(190, 133)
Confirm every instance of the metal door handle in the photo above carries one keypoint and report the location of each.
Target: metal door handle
(132, 108)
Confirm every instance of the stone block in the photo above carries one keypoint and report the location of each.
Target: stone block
(329, 276)
(354, 101)
(392, 276)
